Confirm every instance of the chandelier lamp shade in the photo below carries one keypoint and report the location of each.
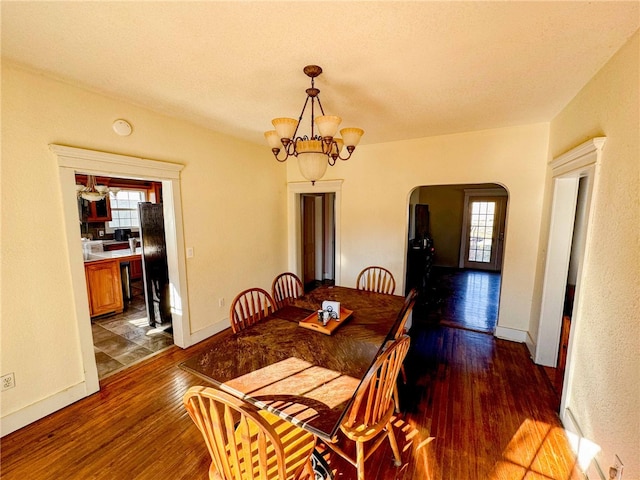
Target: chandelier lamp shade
(319, 149)
(93, 192)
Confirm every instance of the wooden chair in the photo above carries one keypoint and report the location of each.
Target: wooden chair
(370, 414)
(285, 287)
(249, 307)
(376, 279)
(411, 296)
(405, 313)
(399, 332)
(245, 442)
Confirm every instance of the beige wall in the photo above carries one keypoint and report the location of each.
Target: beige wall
(604, 379)
(234, 216)
(379, 179)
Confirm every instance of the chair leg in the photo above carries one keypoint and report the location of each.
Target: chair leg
(308, 470)
(394, 445)
(360, 460)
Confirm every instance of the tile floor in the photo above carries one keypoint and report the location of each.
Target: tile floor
(123, 339)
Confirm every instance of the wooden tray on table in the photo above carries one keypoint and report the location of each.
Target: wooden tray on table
(312, 323)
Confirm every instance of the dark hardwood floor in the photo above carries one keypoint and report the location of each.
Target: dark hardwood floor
(463, 298)
(475, 407)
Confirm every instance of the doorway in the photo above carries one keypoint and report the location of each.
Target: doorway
(483, 229)
(453, 290)
(70, 160)
(295, 191)
(126, 328)
(318, 239)
(575, 175)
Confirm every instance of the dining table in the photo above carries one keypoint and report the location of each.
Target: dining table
(306, 377)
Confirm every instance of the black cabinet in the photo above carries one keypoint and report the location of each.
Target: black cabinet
(419, 263)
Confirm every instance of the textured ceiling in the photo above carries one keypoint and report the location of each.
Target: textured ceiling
(398, 70)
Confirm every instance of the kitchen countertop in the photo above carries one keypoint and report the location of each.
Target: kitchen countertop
(125, 254)
(118, 242)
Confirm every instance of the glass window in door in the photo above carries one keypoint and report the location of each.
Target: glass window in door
(481, 231)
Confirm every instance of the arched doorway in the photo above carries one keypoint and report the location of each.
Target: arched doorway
(454, 256)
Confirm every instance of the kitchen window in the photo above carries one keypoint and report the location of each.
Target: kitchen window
(124, 209)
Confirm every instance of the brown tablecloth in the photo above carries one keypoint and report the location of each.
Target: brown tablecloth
(305, 376)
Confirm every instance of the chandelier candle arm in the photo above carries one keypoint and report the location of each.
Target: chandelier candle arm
(314, 152)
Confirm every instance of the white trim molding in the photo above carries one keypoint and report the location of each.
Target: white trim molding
(294, 190)
(580, 163)
(40, 409)
(511, 334)
(584, 449)
(71, 160)
(567, 169)
(470, 193)
(582, 156)
(114, 164)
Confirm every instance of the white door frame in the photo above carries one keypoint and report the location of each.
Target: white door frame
(70, 160)
(501, 216)
(567, 170)
(294, 190)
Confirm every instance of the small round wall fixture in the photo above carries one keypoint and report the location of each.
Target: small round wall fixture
(122, 127)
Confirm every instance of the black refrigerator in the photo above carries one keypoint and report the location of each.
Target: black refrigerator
(154, 263)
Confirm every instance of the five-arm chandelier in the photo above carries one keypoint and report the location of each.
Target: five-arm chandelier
(316, 151)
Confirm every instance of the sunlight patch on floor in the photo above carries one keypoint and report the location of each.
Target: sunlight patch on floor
(532, 454)
(140, 322)
(155, 331)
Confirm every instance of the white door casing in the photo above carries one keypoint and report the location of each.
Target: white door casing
(499, 196)
(294, 190)
(70, 160)
(567, 170)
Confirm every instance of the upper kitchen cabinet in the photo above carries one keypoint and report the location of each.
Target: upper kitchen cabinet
(99, 211)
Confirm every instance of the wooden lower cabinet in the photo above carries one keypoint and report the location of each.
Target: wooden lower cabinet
(109, 247)
(135, 269)
(104, 287)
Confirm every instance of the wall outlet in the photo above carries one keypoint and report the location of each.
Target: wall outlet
(8, 381)
(189, 252)
(615, 472)
(221, 302)
(101, 233)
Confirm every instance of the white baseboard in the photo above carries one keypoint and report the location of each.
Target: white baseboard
(207, 332)
(511, 334)
(584, 449)
(23, 417)
(531, 345)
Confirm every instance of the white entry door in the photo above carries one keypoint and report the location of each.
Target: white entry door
(483, 235)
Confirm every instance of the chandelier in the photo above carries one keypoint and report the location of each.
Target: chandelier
(316, 151)
(92, 192)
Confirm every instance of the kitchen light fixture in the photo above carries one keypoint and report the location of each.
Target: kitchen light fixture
(314, 152)
(92, 192)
